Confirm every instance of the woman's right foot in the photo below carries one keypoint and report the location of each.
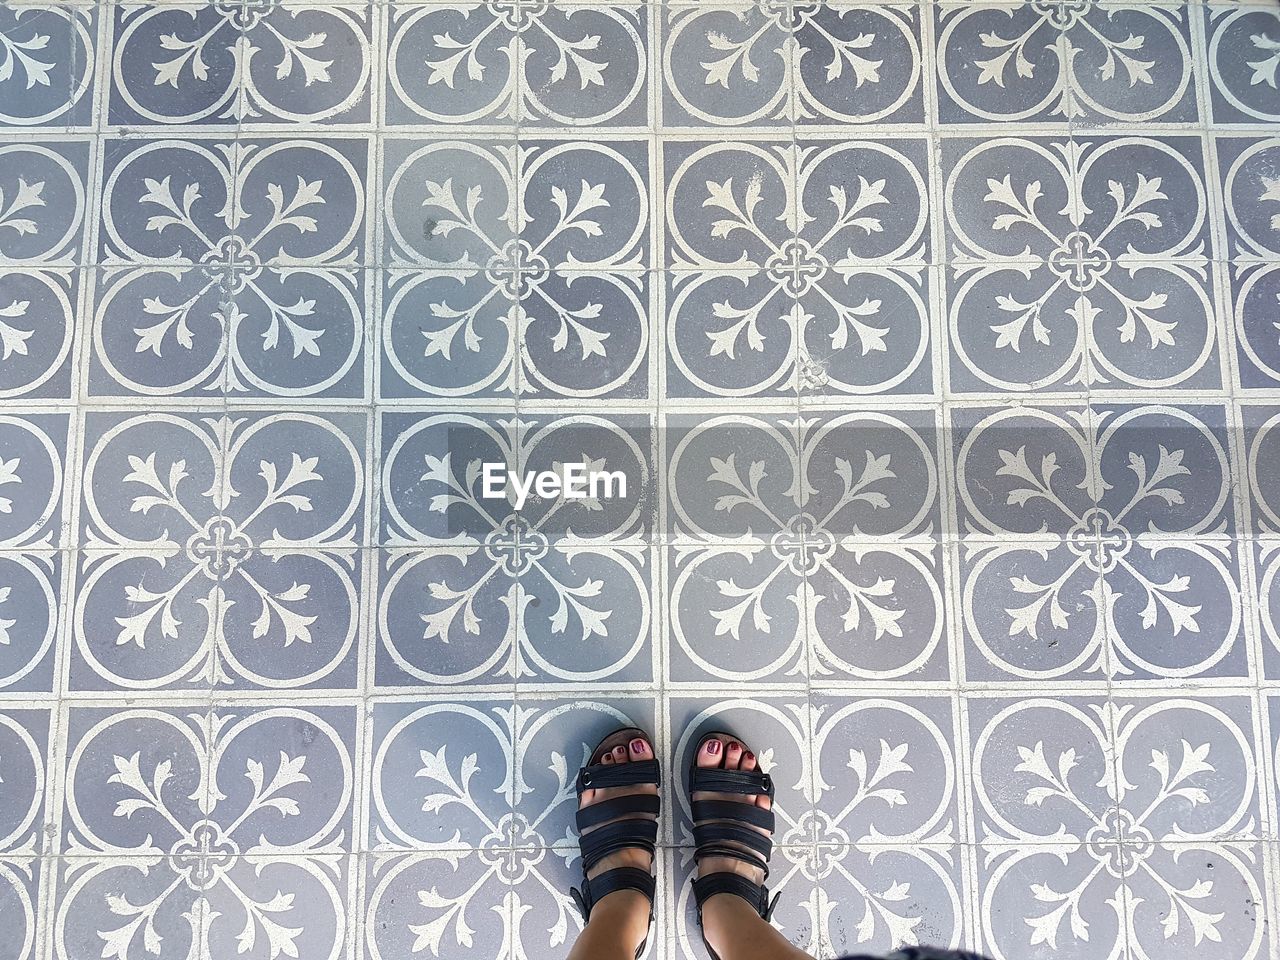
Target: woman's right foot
(725, 912)
(627, 911)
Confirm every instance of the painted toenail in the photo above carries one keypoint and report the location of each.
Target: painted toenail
(713, 746)
(637, 745)
(748, 756)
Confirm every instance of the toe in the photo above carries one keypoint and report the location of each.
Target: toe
(607, 759)
(619, 754)
(748, 762)
(732, 755)
(710, 753)
(639, 749)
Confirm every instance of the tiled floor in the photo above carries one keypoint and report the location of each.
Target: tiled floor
(940, 343)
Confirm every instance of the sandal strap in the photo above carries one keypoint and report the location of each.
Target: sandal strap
(602, 776)
(739, 886)
(732, 810)
(741, 782)
(611, 881)
(616, 807)
(619, 835)
(736, 853)
(720, 834)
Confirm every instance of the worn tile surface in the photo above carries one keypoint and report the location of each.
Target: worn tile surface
(939, 343)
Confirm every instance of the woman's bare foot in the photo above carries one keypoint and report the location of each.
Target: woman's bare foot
(624, 911)
(725, 917)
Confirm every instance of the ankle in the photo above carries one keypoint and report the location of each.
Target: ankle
(626, 913)
(725, 916)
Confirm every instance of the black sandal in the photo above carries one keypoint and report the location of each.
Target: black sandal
(633, 831)
(722, 828)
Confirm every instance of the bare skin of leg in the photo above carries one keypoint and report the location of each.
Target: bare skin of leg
(732, 928)
(619, 921)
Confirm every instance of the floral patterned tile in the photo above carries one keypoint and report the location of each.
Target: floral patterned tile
(732, 333)
(1084, 273)
(735, 613)
(1185, 896)
(24, 768)
(167, 808)
(33, 529)
(1043, 771)
(228, 66)
(858, 64)
(1030, 610)
(20, 904)
(867, 331)
(589, 616)
(1242, 63)
(1262, 450)
(50, 64)
(880, 897)
(277, 679)
(728, 64)
(1038, 899)
(533, 257)
(503, 877)
(236, 262)
(1004, 62)
(419, 901)
(885, 771)
(248, 524)
(1176, 608)
(254, 906)
(1167, 470)
(1133, 65)
(1188, 768)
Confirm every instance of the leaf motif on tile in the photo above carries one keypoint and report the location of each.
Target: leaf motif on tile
(1079, 276)
(1065, 60)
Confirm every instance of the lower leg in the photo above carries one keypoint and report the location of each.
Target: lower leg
(618, 925)
(736, 932)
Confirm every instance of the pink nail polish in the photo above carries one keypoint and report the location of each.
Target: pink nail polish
(713, 746)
